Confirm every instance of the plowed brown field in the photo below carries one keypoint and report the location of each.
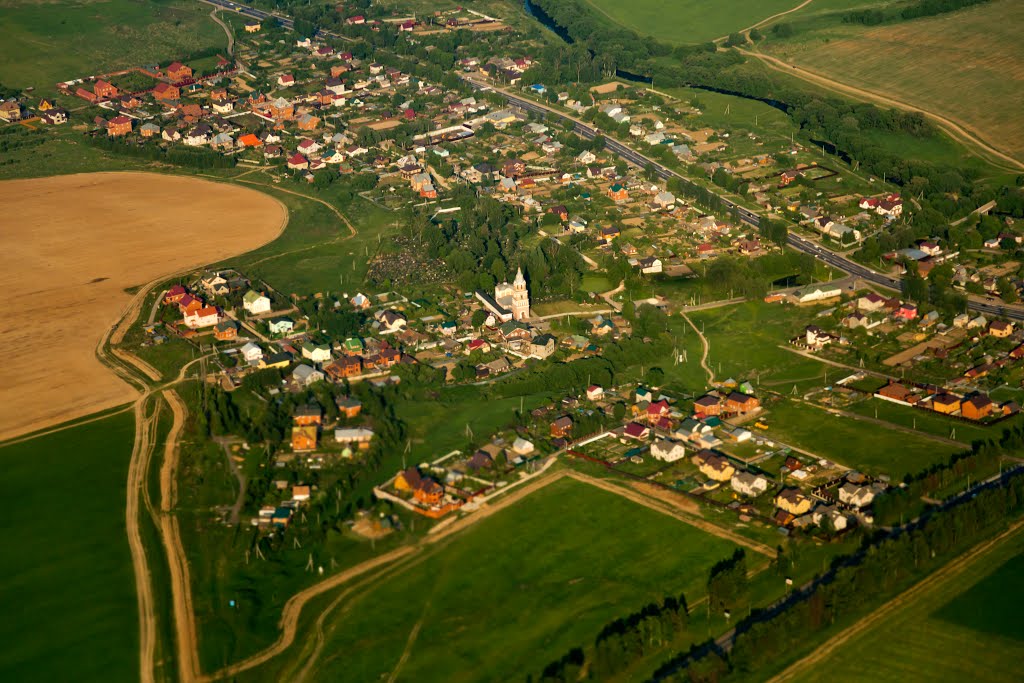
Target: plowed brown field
(70, 245)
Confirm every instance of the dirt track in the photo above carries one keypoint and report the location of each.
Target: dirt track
(72, 247)
(706, 346)
(934, 581)
(959, 131)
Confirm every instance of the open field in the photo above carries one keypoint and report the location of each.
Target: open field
(83, 37)
(517, 589)
(66, 571)
(690, 21)
(964, 627)
(77, 243)
(856, 444)
(966, 66)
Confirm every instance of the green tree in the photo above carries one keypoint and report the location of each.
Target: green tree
(478, 318)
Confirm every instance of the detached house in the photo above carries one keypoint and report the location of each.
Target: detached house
(255, 302)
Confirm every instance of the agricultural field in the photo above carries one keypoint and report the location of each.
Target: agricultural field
(517, 589)
(965, 627)
(690, 21)
(67, 284)
(66, 572)
(966, 65)
(98, 37)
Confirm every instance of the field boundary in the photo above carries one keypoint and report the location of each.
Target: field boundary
(963, 133)
(935, 581)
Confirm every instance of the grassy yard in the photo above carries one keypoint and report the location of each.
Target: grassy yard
(66, 573)
(859, 445)
(689, 21)
(966, 628)
(517, 590)
(82, 38)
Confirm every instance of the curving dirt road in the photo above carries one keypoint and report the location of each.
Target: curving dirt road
(962, 132)
(768, 20)
(706, 350)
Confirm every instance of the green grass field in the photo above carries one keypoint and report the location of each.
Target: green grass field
(859, 445)
(689, 21)
(66, 577)
(44, 43)
(315, 253)
(967, 628)
(516, 590)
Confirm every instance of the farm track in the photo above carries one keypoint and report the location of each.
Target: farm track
(768, 20)
(706, 350)
(935, 581)
(962, 132)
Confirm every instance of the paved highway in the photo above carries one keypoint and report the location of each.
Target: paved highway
(746, 215)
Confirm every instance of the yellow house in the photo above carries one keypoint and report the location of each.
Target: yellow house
(793, 502)
(1000, 329)
(46, 105)
(946, 404)
(713, 466)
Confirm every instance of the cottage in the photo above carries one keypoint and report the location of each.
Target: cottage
(635, 430)
(857, 496)
(308, 414)
(118, 126)
(348, 407)
(740, 403)
(304, 438)
(542, 346)
(207, 316)
(793, 501)
(256, 303)
(318, 353)
(251, 353)
(668, 451)
(280, 325)
(714, 466)
(749, 484)
(708, 404)
(562, 427)
(946, 404)
(305, 376)
(226, 330)
(359, 437)
(977, 407)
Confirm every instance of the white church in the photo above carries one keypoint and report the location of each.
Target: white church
(510, 301)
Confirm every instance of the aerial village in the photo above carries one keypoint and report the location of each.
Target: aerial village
(308, 112)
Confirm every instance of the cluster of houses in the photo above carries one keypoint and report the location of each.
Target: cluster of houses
(449, 483)
(975, 405)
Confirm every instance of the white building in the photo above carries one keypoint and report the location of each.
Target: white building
(748, 484)
(256, 303)
(668, 451)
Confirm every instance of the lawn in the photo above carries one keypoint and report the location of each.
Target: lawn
(966, 65)
(856, 444)
(689, 21)
(82, 38)
(66, 574)
(967, 627)
(515, 591)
